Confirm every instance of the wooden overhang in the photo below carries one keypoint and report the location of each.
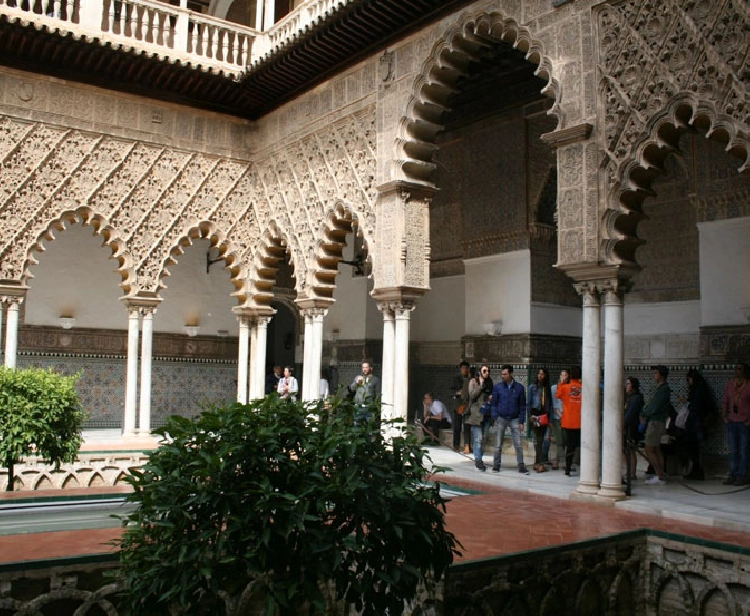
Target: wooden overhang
(338, 40)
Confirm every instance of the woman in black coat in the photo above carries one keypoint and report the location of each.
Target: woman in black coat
(633, 408)
(700, 404)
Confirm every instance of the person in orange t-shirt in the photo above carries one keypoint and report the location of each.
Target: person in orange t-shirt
(570, 395)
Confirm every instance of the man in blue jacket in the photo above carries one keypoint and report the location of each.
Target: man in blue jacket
(508, 409)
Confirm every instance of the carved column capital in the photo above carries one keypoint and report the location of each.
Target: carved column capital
(589, 293)
(13, 295)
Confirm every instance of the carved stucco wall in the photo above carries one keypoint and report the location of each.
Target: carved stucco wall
(663, 67)
(148, 198)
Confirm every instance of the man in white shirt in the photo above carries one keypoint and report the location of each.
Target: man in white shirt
(435, 416)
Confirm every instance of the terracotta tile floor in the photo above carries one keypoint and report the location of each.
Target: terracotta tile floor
(497, 521)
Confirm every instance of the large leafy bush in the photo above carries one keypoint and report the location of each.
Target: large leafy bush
(40, 413)
(298, 509)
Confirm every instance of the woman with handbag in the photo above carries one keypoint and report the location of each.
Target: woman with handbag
(540, 410)
(480, 390)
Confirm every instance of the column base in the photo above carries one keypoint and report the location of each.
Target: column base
(587, 488)
(613, 493)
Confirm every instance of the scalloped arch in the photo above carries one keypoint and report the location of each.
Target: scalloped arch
(631, 180)
(228, 252)
(340, 220)
(273, 246)
(417, 131)
(86, 217)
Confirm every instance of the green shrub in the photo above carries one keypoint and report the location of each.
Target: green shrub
(298, 507)
(40, 412)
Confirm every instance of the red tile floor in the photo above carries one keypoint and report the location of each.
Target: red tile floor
(496, 521)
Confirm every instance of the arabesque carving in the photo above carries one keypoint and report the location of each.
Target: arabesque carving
(666, 67)
(148, 202)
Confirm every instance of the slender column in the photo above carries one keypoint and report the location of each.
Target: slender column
(313, 351)
(243, 358)
(2, 306)
(259, 356)
(307, 349)
(11, 330)
(316, 352)
(144, 410)
(402, 317)
(131, 377)
(388, 368)
(590, 454)
(613, 396)
(253, 359)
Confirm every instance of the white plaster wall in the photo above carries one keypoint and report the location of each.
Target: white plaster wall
(350, 306)
(724, 247)
(499, 288)
(556, 320)
(439, 314)
(75, 277)
(659, 318)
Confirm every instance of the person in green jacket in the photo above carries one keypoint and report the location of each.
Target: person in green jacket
(654, 417)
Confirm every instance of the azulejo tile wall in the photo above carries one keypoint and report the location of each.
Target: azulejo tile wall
(178, 387)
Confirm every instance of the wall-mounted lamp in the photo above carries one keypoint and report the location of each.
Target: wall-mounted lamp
(493, 329)
(222, 333)
(746, 312)
(210, 261)
(191, 330)
(334, 336)
(358, 263)
(67, 322)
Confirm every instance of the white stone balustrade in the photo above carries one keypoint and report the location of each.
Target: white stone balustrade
(170, 31)
(304, 15)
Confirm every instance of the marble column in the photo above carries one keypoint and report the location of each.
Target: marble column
(131, 376)
(243, 359)
(388, 370)
(316, 353)
(588, 482)
(402, 317)
(259, 357)
(613, 396)
(312, 352)
(11, 329)
(144, 409)
(307, 348)
(253, 387)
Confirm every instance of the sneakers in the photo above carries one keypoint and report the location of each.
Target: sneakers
(729, 481)
(495, 469)
(522, 469)
(740, 481)
(467, 450)
(655, 481)
(480, 467)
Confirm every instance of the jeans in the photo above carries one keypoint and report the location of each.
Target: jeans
(500, 424)
(737, 435)
(477, 433)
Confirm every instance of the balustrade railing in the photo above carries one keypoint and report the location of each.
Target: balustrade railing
(172, 31)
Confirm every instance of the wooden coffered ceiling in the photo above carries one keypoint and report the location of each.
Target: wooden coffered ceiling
(339, 40)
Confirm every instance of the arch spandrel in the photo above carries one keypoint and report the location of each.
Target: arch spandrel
(666, 67)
